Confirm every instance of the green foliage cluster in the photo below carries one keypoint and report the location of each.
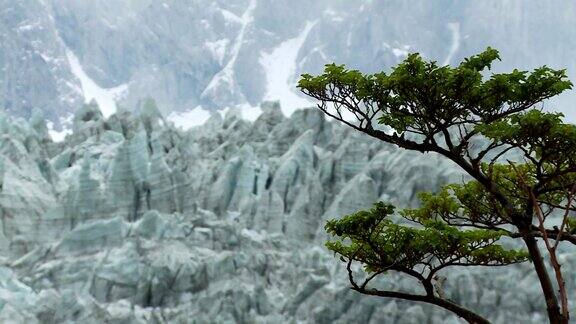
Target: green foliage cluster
(571, 225)
(371, 237)
(543, 134)
(446, 110)
(417, 92)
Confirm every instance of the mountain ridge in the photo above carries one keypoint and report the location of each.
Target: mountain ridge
(221, 54)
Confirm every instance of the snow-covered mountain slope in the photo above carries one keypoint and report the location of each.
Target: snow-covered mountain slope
(217, 54)
(132, 220)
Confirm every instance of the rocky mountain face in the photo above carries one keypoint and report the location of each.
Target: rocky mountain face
(214, 54)
(34, 71)
(132, 220)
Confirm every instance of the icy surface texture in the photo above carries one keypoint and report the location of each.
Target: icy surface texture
(132, 220)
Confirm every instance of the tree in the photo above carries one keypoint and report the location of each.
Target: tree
(425, 107)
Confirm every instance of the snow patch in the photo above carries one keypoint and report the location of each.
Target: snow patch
(400, 52)
(199, 115)
(455, 29)
(190, 118)
(57, 136)
(106, 98)
(247, 112)
(280, 68)
(250, 113)
(65, 124)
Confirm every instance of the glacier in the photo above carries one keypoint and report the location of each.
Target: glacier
(130, 219)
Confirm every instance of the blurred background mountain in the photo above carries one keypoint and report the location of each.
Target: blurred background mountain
(57, 54)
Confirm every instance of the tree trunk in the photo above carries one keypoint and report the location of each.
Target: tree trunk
(552, 307)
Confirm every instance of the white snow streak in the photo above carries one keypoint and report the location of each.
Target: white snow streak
(226, 75)
(105, 98)
(280, 67)
(455, 29)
